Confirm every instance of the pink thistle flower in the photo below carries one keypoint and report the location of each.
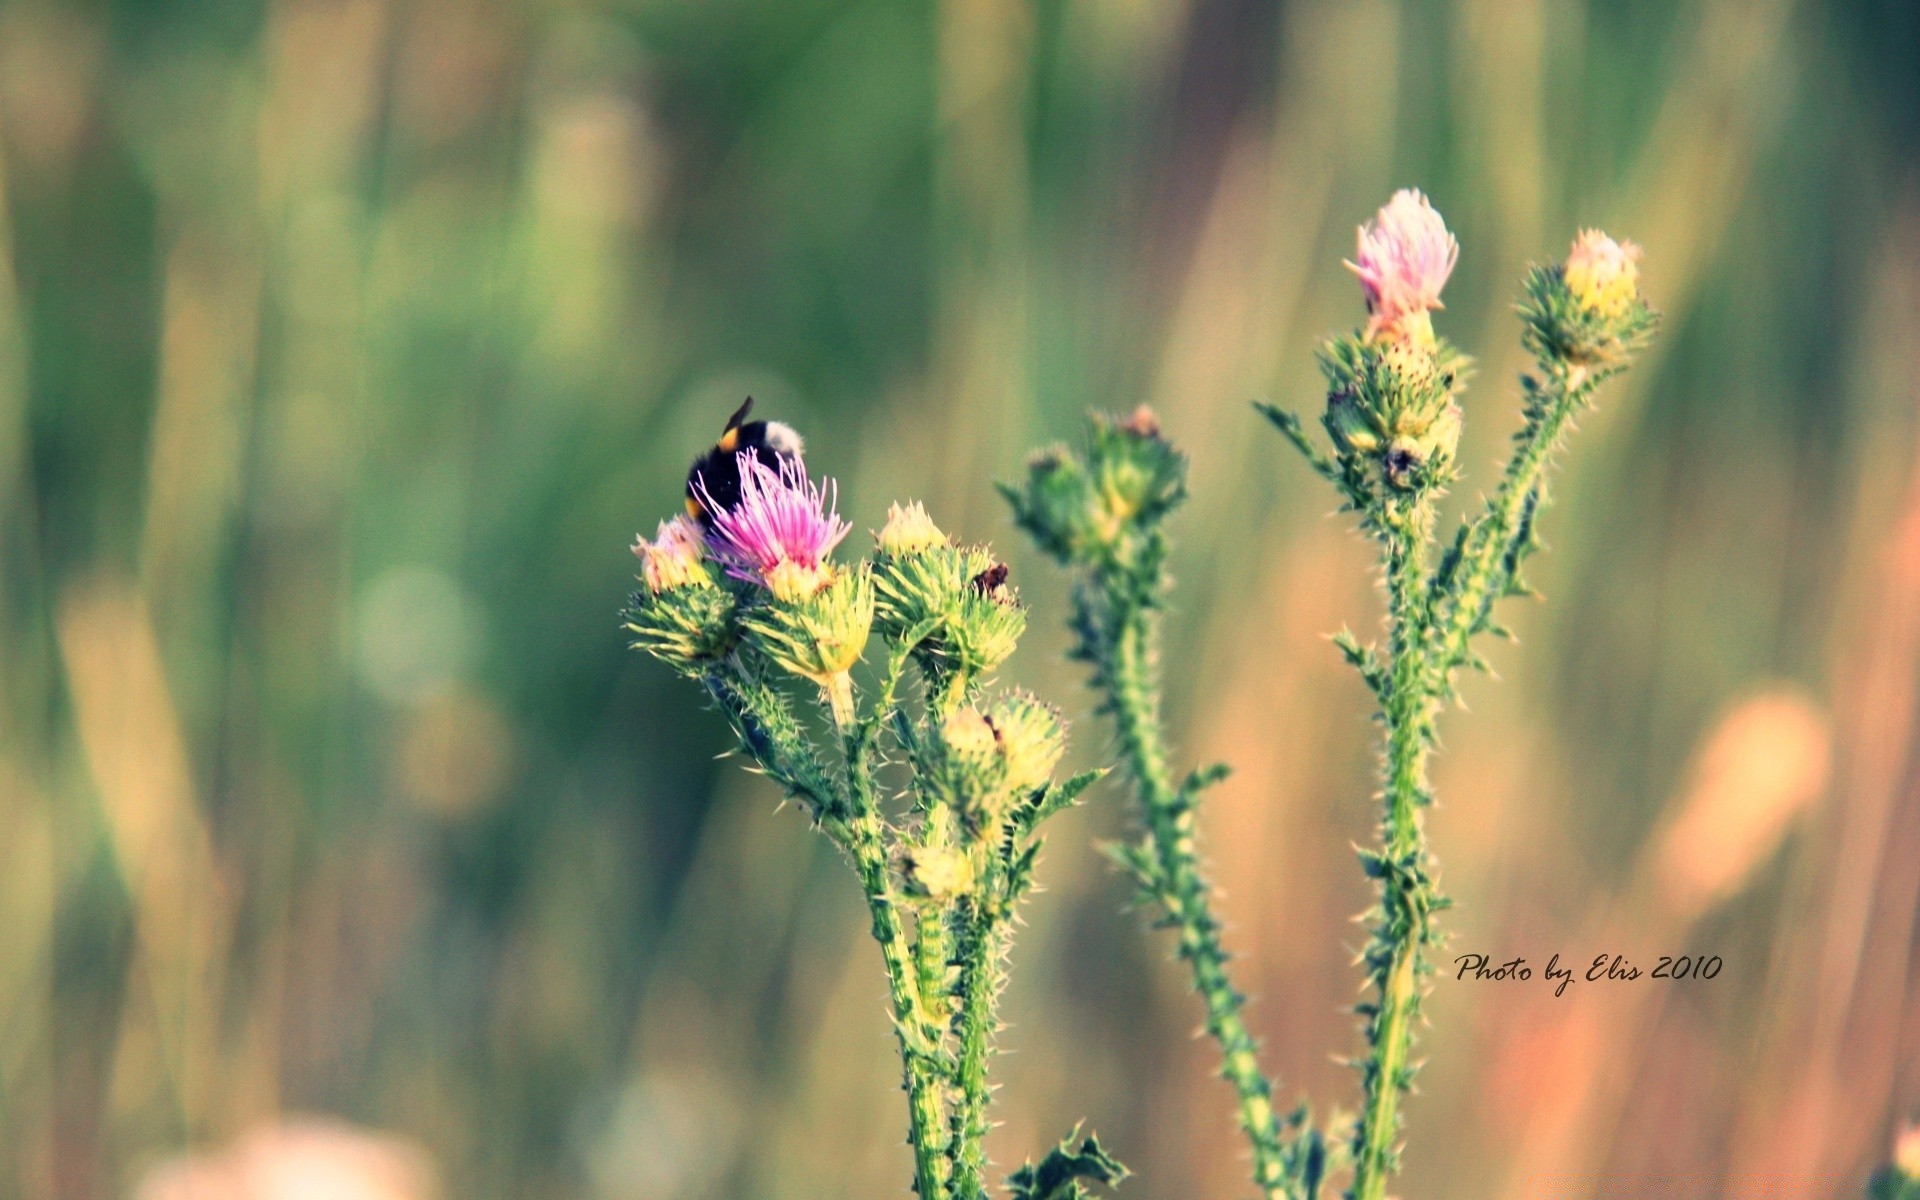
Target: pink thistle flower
(781, 530)
(1403, 258)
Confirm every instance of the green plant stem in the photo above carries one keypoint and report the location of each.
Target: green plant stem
(1406, 892)
(914, 1023)
(1129, 673)
(979, 987)
(925, 1077)
(850, 816)
(1487, 562)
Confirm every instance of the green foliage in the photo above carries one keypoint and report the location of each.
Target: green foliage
(1059, 1175)
(1891, 1183)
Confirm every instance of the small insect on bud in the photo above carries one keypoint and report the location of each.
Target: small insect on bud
(909, 531)
(985, 626)
(1032, 739)
(1603, 275)
(675, 558)
(937, 872)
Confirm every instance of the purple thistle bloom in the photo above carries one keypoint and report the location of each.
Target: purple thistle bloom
(780, 531)
(1403, 258)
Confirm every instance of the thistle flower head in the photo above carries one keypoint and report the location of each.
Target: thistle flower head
(1403, 257)
(1031, 739)
(819, 634)
(781, 530)
(909, 531)
(1099, 505)
(1602, 274)
(675, 558)
(937, 872)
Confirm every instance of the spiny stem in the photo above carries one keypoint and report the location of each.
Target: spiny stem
(1406, 893)
(1485, 566)
(979, 987)
(1174, 875)
(913, 1025)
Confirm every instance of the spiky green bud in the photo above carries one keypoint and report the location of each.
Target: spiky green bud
(1588, 310)
(1390, 411)
(1085, 507)
(684, 627)
(818, 636)
(959, 596)
(1032, 739)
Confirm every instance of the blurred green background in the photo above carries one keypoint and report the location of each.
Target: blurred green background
(345, 344)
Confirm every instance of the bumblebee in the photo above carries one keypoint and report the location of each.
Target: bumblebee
(714, 478)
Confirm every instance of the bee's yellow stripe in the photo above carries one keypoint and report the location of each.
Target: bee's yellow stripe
(730, 439)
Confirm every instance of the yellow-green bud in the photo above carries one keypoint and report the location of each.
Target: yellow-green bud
(1603, 275)
(685, 626)
(909, 531)
(937, 872)
(968, 737)
(1031, 739)
(819, 635)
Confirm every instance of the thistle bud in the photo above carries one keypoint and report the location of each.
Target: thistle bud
(679, 616)
(1603, 275)
(685, 627)
(675, 558)
(1089, 508)
(937, 872)
(909, 532)
(1588, 311)
(968, 738)
(819, 635)
(1032, 739)
(1390, 410)
(972, 774)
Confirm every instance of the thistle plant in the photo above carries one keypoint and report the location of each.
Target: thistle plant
(935, 794)
(1101, 513)
(1394, 421)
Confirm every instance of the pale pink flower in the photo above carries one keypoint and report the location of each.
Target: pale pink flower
(673, 558)
(1403, 258)
(781, 530)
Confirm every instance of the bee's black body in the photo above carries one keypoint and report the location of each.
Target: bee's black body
(714, 479)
